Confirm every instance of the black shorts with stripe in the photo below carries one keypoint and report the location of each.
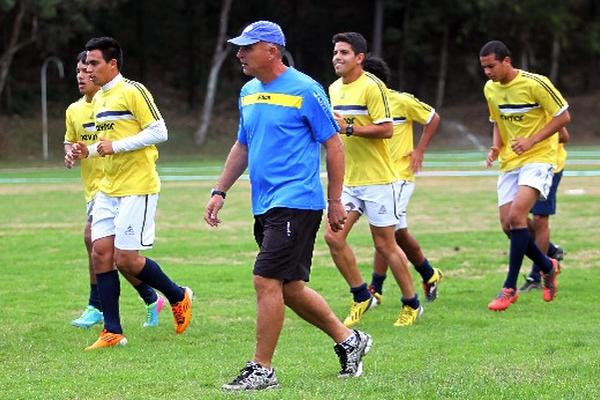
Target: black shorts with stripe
(286, 238)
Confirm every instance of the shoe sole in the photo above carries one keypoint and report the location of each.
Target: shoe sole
(121, 343)
(434, 296)
(84, 326)
(191, 296)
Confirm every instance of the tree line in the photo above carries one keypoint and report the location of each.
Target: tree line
(431, 47)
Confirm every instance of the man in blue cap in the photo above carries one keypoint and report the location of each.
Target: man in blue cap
(285, 117)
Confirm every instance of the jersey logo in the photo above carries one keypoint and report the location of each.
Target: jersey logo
(129, 231)
(382, 210)
(512, 118)
(105, 126)
(264, 97)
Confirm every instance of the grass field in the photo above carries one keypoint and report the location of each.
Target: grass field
(458, 350)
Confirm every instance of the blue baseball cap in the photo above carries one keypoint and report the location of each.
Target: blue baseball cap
(260, 31)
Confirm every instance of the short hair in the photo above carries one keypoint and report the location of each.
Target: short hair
(81, 57)
(355, 39)
(495, 47)
(109, 47)
(378, 67)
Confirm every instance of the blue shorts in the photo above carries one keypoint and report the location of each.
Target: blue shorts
(548, 207)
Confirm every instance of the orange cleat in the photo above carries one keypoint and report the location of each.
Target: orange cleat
(108, 339)
(182, 311)
(504, 299)
(550, 281)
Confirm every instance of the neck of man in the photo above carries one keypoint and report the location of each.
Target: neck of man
(274, 70)
(90, 96)
(510, 75)
(352, 75)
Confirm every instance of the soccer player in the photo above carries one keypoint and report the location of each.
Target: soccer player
(406, 109)
(129, 126)
(527, 112)
(362, 109)
(540, 224)
(285, 118)
(79, 123)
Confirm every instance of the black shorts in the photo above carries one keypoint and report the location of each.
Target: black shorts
(286, 238)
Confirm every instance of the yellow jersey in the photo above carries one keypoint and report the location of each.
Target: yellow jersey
(364, 102)
(520, 108)
(406, 109)
(562, 158)
(123, 109)
(79, 123)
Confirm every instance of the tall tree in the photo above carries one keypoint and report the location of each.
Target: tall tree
(22, 11)
(221, 51)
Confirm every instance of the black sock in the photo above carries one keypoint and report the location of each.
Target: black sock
(360, 293)
(552, 249)
(540, 259)
(412, 302)
(94, 300)
(146, 293)
(155, 277)
(377, 282)
(109, 289)
(425, 270)
(519, 241)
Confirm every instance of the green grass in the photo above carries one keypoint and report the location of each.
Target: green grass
(458, 350)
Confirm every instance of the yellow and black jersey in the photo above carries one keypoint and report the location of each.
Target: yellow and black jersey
(521, 108)
(80, 127)
(406, 109)
(364, 102)
(122, 109)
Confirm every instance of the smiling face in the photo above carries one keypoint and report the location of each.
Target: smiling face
(346, 63)
(496, 70)
(101, 71)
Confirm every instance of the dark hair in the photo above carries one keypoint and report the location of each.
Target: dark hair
(355, 39)
(81, 57)
(377, 67)
(109, 48)
(496, 48)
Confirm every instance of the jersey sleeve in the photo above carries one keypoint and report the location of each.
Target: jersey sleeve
(416, 110)
(141, 104)
(316, 111)
(378, 102)
(548, 97)
(70, 131)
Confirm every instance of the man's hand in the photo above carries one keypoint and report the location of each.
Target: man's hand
(212, 210)
(336, 215)
(105, 148)
(521, 145)
(80, 151)
(492, 156)
(69, 159)
(340, 121)
(416, 160)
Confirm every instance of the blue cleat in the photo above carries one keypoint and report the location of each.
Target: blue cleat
(90, 317)
(152, 311)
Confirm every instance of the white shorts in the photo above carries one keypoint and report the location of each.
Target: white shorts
(130, 219)
(377, 202)
(406, 189)
(88, 209)
(535, 175)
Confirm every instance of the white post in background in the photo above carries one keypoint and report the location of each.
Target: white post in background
(43, 79)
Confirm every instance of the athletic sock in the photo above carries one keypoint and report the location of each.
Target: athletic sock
(146, 293)
(425, 270)
(360, 293)
(109, 290)
(535, 254)
(412, 302)
(377, 282)
(155, 277)
(94, 300)
(519, 241)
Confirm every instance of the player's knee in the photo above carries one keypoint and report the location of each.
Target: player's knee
(333, 240)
